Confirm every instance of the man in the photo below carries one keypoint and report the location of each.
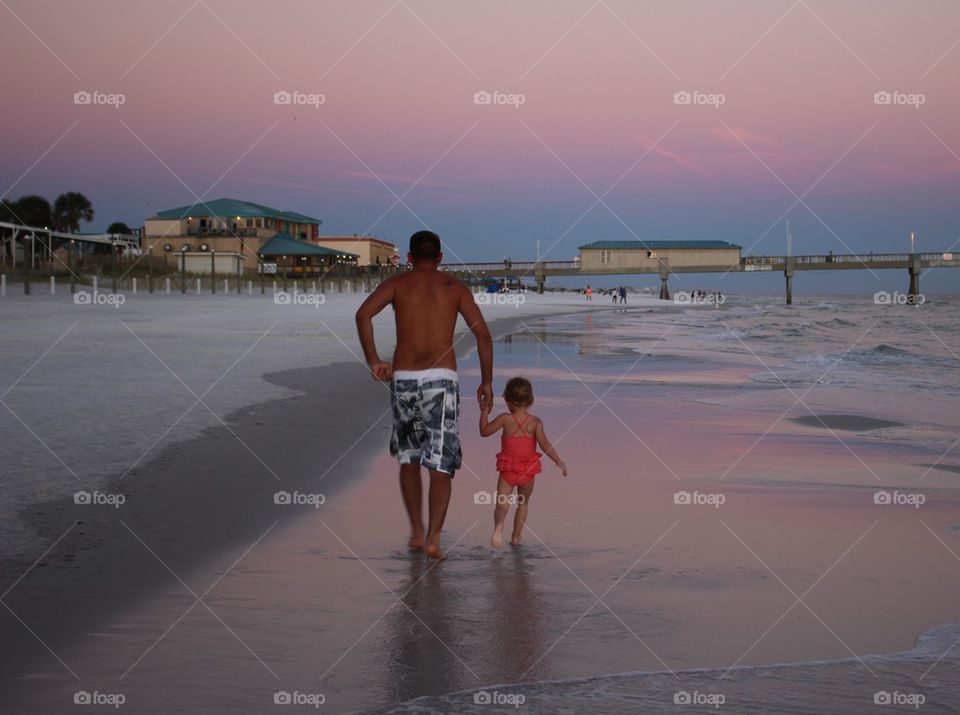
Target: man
(424, 389)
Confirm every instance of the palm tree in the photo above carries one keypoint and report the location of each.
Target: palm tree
(71, 208)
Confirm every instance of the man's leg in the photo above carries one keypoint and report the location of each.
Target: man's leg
(412, 491)
(440, 488)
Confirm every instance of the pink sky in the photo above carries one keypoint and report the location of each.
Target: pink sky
(797, 79)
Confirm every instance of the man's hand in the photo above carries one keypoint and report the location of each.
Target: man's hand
(382, 371)
(485, 395)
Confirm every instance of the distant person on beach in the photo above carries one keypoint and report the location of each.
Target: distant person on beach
(424, 390)
(589, 293)
(623, 294)
(518, 460)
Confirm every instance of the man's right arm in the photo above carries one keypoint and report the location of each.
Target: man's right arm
(478, 326)
(381, 297)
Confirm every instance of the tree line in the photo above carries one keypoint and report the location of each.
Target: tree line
(63, 215)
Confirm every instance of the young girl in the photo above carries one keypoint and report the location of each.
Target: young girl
(518, 460)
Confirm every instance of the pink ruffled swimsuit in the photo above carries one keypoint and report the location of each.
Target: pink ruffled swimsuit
(518, 460)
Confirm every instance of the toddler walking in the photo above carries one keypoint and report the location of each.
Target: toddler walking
(518, 460)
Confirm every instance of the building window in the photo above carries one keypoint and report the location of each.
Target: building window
(249, 223)
(605, 256)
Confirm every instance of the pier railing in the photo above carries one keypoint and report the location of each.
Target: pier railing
(494, 266)
(847, 258)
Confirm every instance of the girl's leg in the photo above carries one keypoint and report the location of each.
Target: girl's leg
(500, 511)
(523, 504)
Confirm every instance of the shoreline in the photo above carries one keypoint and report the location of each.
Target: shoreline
(928, 648)
(102, 565)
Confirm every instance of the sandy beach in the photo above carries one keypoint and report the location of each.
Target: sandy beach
(692, 570)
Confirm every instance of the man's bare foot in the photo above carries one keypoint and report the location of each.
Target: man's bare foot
(433, 549)
(515, 541)
(496, 541)
(434, 552)
(416, 542)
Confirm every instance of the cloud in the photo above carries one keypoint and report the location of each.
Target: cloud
(678, 159)
(732, 134)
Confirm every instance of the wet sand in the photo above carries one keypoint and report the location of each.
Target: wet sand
(848, 423)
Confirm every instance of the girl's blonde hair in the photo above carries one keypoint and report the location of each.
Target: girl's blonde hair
(518, 392)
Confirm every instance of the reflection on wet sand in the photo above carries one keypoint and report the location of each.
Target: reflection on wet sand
(423, 641)
(443, 638)
(519, 623)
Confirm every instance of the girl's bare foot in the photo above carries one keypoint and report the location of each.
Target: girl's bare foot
(496, 541)
(515, 541)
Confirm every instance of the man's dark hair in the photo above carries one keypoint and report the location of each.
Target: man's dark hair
(425, 245)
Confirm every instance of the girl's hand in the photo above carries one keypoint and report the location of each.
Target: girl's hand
(562, 466)
(485, 407)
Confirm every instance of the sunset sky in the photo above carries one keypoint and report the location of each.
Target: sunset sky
(798, 119)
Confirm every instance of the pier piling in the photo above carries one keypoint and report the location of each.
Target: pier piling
(914, 269)
(664, 274)
(788, 272)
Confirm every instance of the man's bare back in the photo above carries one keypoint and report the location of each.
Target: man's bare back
(426, 305)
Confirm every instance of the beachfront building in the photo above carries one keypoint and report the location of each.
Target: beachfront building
(283, 255)
(635, 256)
(370, 250)
(229, 226)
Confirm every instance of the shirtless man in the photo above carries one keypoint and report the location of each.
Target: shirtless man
(424, 390)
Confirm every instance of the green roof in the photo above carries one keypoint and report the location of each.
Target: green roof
(657, 245)
(224, 208)
(283, 245)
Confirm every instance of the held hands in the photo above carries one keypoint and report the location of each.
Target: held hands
(485, 397)
(381, 371)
